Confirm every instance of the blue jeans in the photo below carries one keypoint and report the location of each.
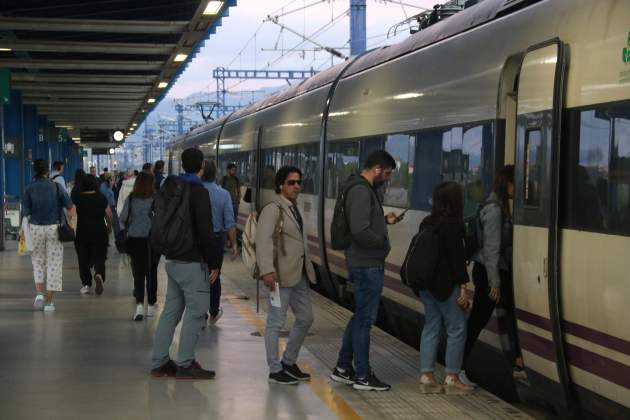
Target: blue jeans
(368, 286)
(450, 314)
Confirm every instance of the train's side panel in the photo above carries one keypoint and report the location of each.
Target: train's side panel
(594, 267)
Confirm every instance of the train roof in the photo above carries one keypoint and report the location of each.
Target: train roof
(463, 21)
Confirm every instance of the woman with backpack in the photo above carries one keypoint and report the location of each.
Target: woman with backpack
(93, 227)
(492, 270)
(136, 220)
(43, 205)
(444, 295)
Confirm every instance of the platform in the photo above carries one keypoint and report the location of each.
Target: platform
(90, 360)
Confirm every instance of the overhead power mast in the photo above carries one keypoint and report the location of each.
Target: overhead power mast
(358, 38)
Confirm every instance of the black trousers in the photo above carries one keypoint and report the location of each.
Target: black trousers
(144, 269)
(92, 253)
(483, 307)
(215, 288)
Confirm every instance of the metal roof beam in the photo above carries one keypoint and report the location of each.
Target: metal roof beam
(83, 95)
(119, 65)
(83, 102)
(88, 47)
(40, 87)
(92, 25)
(84, 78)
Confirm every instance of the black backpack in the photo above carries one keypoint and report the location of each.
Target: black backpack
(340, 235)
(418, 269)
(171, 227)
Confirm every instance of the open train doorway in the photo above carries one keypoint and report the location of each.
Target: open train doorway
(533, 133)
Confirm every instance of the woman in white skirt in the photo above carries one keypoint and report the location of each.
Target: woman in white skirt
(43, 205)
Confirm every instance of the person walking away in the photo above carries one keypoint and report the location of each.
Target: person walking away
(365, 258)
(43, 204)
(93, 226)
(444, 294)
(138, 225)
(232, 184)
(190, 270)
(492, 269)
(57, 174)
(125, 189)
(158, 172)
(286, 269)
(106, 189)
(223, 223)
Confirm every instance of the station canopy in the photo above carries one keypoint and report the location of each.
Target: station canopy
(97, 67)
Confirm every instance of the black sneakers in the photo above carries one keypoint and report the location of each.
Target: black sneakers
(371, 383)
(295, 372)
(194, 371)
(345, 377)
(167, 369)
(282, 378)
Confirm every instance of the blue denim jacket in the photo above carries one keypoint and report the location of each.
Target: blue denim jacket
(43, 202)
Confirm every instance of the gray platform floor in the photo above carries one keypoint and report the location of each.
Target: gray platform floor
(89, 360)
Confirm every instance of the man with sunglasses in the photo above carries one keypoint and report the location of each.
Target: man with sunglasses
(284, 263)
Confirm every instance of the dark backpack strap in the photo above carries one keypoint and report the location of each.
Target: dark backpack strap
(130, 198)
(60, 213)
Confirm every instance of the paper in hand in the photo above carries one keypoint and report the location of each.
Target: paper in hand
(274, 296)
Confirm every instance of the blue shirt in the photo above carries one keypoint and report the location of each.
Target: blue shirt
(222, 211)
(43, 202)
(108, 194)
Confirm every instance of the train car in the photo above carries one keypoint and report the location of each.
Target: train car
(543, 85)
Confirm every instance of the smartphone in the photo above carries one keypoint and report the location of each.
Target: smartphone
(401, 215)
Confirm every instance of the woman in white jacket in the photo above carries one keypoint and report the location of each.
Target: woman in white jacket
(125, 190)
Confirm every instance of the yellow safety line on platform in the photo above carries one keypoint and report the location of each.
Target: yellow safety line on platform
(318, 384)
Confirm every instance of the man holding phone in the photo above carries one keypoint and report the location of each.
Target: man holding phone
(365, 258)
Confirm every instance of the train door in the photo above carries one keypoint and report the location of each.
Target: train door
(536, 289)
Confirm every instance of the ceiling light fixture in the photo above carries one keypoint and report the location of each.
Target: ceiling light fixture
(118, 135)
(5, 49)
(135, 124)
(162, 85)
(151, 100)
(180, 57)
(213, 7)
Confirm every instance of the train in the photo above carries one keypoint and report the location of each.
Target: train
(543, 85)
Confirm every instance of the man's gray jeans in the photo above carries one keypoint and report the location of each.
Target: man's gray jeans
(299, 298)
(189, 289)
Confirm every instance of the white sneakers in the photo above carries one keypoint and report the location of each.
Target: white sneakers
(139, 314)
(428, 385)
(38, 305)
(86, 290)
(50, 307)
(453, 386)
(151, 310)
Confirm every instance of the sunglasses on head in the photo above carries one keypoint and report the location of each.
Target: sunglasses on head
(292, 182)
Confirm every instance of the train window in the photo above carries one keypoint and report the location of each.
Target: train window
(400, 146)
(343, 160)
(462, 154)
(533, 168)
(308, 163)
(599, 169)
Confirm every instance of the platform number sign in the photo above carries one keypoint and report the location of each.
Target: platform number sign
(5, 86)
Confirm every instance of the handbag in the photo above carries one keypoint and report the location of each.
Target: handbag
(121, 237)
(64, 232)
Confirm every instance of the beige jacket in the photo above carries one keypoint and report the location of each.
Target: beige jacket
(295, 258)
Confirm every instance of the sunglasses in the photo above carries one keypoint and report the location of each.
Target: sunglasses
(292, 182)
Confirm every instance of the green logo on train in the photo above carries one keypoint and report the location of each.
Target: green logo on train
(625, 54)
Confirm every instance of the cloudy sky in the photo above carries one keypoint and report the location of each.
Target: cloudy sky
(238, 43)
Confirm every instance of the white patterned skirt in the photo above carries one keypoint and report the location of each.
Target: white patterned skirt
(47, 256)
